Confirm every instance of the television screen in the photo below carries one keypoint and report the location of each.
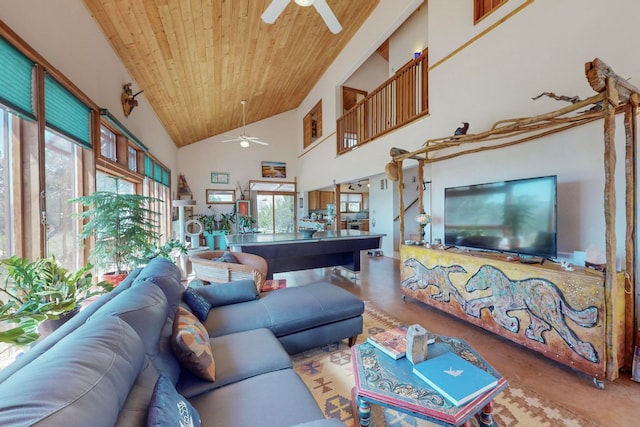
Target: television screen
(516, 216)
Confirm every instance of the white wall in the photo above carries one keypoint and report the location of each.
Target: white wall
(65, 34)
(540, 48)
(198, 160)
(410, 38)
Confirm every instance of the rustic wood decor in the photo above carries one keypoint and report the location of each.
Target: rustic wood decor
(615, 95)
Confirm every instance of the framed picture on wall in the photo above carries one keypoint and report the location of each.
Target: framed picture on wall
(274, 170)
(219, 178)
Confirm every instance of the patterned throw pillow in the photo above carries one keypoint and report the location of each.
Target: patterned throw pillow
(198, 305)
(191, 345)
(169, 409)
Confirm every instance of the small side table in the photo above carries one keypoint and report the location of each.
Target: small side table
(390, 383)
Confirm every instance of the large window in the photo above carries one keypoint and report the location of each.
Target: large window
(63, 174)
(7, 227)
(47, 143)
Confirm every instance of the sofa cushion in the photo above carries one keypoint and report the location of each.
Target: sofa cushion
(198, 305)
(135, 408)
(217, 294)
(238, 357)
(298, 308)
(169, 409)
(145, 308)
(166, 275)
(97, 364)
(191, 345)
(247, 403)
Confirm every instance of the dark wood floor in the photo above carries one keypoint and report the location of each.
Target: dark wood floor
(378, 282)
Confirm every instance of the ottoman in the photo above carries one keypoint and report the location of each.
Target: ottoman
(301, 317)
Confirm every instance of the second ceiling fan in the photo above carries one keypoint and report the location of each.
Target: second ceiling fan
(243, 138)
(273, 11)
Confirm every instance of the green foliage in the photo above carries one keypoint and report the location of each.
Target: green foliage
(123, 227)
(169, 250)
(208, 221)
(33, 291)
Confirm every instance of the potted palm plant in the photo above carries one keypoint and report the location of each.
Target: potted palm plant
(41, 292)
(123, 227)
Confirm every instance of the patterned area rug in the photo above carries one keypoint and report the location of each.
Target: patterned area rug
(328, 373)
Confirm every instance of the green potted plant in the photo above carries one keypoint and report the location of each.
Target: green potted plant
(210, 223)
(41, 292)
(123, 227)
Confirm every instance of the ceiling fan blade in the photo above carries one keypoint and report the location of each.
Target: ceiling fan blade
(232, 140)
(327, 14)
(273, 11)
(257, 141)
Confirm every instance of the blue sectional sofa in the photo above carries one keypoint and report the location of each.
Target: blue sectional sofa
(103, 367)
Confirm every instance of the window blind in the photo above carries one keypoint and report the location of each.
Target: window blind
(65, 113)
(16, 77)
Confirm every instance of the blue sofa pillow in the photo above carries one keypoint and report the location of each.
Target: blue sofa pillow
(198, 305)
(218, 294)
(227, 257)
(170, 409)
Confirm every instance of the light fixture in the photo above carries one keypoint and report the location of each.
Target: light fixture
(350, 187)
(304, 3)
(244, 143)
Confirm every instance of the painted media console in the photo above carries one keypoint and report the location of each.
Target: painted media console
(565, 315)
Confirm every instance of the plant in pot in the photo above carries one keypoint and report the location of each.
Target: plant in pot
(225, 225)
(210, 223)
(38, 296)
(123, 226)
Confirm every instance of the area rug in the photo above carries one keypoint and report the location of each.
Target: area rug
(327, 372)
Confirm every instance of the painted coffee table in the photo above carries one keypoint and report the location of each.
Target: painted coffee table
(390, 383)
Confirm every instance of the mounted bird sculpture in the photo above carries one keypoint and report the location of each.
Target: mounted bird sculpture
(462, 130)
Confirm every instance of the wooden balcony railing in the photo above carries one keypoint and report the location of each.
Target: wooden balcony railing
(398, 101)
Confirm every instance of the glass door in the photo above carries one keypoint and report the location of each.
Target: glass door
(276, 213)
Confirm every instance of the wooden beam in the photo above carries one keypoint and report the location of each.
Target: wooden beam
(630, 122)
(609, 104)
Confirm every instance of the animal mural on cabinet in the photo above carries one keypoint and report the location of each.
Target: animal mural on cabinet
(539, 298)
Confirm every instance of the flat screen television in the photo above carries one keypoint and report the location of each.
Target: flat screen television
(517, 216)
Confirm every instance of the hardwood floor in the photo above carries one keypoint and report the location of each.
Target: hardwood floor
(379, 283)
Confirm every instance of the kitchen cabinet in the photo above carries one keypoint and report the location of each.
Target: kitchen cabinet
(326, 198)
(314, 200)
(318, 200)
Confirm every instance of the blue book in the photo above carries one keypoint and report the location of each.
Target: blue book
(458, 380)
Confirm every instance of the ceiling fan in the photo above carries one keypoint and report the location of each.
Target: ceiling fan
(273, 11)
(243, 139)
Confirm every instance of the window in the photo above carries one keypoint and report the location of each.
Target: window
(63, 173)
(483, 8)
(7, 134)
(108, 143)
(350, 202)
(132, 159)
(312, 124)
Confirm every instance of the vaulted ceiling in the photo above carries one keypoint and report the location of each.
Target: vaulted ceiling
(197, 59)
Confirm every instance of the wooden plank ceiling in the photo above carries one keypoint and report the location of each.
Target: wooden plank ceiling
(197, 59)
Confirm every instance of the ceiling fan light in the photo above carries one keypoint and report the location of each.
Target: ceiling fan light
(244, 143)
(304, 3)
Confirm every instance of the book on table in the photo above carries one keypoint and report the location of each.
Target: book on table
(457, 379)
(393, 342)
